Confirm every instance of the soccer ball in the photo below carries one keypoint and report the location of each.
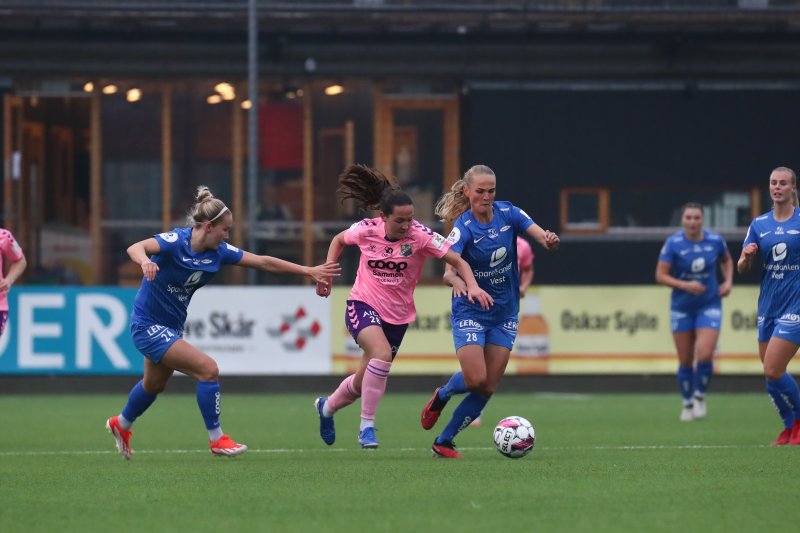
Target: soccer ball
(514, 437)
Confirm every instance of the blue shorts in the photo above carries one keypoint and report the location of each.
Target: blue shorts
(471, 331)
(153, 340)
(360, 315)
(786, 327)
(706, 317)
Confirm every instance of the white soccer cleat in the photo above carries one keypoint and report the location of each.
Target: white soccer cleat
(687, 414)
(699, 409)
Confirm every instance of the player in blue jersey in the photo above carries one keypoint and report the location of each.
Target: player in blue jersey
(776, 235)
(688, 263)
(485, 235)
(175, 264)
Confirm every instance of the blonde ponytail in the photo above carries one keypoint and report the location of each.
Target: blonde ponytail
(452, 204)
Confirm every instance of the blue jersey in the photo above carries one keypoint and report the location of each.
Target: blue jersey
(180, 272)
(779, 246)
(694, 261)
(491, 251)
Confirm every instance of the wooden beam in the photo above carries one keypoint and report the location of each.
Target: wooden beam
(166, 157)
(237, 177)
(308, 178)
(95, 189)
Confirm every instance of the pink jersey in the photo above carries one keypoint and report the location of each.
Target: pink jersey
(388, 272)
(524, 254)
(9, 251)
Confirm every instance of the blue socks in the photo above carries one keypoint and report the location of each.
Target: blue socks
(786, 397)
(686, 383)
(208, 399)
(138, 402)
(468, 410)
(702, 377)
(454, 386)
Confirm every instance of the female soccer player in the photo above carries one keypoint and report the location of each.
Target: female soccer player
(525, 265)
(175, 265)
(11, 252)
(776, 235)
(381, 304)
(688, 263)
(484, 234)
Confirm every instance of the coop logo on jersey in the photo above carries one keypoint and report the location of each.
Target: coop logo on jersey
(779, 251)
(454, 236)
(699, 264)
(498, 256)
(295, 330)
(398, 266)
(169, 237)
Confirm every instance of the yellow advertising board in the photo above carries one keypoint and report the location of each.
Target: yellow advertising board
(568, 330)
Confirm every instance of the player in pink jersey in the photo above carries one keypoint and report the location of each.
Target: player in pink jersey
(11, 252)
(381, 304)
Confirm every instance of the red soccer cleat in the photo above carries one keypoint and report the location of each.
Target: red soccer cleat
(784, 438)
(429, 414)
(122, 436)
(225, 446)
(794, 439)
(445, 449)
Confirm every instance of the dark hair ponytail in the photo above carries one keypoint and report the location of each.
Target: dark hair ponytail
(371, 189)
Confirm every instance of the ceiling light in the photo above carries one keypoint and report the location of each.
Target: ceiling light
(134, 95)
(109, 89)
(88, 86)
(214, 99)
(246, 104)
(332, 90)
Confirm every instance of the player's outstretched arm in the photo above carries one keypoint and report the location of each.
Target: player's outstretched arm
(320, 273)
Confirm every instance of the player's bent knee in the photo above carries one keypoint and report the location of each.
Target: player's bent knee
(209, 372)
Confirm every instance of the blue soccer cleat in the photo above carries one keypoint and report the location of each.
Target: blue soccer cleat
(326, 429)
(367, 438)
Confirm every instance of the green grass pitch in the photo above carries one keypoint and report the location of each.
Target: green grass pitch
(601, 463)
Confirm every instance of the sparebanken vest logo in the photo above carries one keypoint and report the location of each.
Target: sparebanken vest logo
(295, 330)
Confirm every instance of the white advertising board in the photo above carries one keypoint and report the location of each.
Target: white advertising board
(260, 330)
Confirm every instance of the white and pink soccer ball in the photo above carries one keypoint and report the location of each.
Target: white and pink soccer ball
(514, 437)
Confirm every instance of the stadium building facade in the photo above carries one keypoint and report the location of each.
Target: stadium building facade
(600, 118)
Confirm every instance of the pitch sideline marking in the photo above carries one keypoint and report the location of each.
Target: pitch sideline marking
(45, 453)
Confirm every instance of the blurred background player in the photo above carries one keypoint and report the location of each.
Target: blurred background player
(175, 264)
(525, 259)
(381, 304)
(688, 263)
(776, 235)
(11, 253)
(484, 234)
